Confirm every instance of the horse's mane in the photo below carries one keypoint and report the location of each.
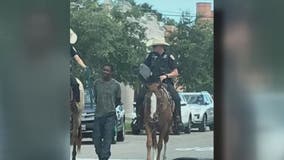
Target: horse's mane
(164, 99)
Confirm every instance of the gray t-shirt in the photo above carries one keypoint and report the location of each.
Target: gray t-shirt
(106, 92)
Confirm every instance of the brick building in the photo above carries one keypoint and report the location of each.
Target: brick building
(204, 12)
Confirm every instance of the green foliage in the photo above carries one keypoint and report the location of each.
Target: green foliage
(108, 38)
(146, 8)
(192, 45)
(169, 21)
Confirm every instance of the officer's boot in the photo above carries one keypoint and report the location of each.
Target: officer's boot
(176, 122)
(178, 115)
(140, 115)
(180, 124)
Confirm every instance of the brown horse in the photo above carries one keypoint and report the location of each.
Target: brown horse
(76, 111)
(158, 113)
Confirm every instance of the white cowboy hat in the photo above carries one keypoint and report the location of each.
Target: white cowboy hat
(157, 41)
(73, 37)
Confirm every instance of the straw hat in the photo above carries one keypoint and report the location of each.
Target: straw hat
(157, 41)
(73, 37)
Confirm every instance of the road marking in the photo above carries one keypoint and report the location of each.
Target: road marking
(109, 159)
(198, 149)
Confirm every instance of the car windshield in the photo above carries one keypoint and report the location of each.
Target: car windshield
(194, 99)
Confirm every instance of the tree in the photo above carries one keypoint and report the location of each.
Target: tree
(193, 46)
(110, 37)
(169, 21)
(105, 37)
(146, 8)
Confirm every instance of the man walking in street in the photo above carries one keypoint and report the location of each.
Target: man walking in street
(107, 97)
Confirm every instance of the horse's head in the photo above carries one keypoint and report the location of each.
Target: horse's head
(153, 97)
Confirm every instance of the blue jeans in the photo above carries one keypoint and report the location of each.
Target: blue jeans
(102, 135)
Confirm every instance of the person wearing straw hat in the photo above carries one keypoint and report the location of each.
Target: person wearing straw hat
(75, 54)
(163, 66)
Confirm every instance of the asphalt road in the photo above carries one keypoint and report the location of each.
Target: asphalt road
(195, 145)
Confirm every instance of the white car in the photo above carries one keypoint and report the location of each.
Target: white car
(185, 113)
(201, 109)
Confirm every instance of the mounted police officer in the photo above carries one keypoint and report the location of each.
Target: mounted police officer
(75, 54)
(163, 66)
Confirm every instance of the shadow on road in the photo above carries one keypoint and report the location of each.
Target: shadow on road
(181, 133)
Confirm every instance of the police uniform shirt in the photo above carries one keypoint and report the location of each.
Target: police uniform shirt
(160, 64)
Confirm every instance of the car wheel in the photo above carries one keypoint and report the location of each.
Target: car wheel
(211, 126)
(121, 134)
(203, 125)
(188, 127)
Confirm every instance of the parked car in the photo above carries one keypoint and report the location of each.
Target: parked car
(88, 117)
(185, 113)
(202, 109)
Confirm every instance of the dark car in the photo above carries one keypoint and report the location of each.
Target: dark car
(88, 116)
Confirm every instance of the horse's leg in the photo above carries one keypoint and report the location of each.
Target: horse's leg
(75, 126)
(166, 139)
(160, 145)
(165, 152)
(149, 141)
(76, 143)
(154, 140)
(79, 138)
(162, 136)
(75, 133)
(74, 152)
